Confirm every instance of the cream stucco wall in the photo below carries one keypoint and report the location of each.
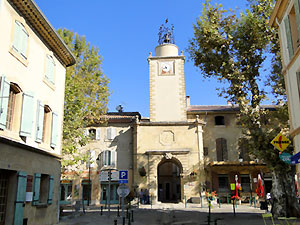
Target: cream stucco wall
(30, 74)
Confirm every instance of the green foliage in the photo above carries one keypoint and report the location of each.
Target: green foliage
(86, 95)
(233, 49)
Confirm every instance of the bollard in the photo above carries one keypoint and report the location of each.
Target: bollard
(101, 210)
(127, 213)
(227, 199)
(233, 206)
(129, 221)
(185, 201)
(208, 217)
(132, 216)
(115, 222)
(118, 211)
(123, 221)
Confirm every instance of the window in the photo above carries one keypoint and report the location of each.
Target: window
(92, 133)
(223, 183)
(221, 147)
(50, 68)
(43, 189)
(292, 29)
(111, 133)
(108, 158)
(66, 192)
(245, 182)
(244, 153)
(20, 39)
(11, 107)
(219, 120)
(86, 189)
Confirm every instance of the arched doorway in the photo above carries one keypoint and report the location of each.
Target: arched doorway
(169, 180)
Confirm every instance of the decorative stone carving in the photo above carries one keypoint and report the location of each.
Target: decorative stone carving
(167, 138)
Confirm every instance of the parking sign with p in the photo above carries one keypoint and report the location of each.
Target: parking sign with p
(123, 176)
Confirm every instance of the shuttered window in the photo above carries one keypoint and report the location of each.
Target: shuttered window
(27, 114)
(109, 158)
(221, 148)
(36, 189)
(289, 37)
(50, 194)
(111, 133)
(98, 134)
(20, 198)
(54, 131)
(298, 82)
(20, 39)
(50, 68)
(4, 99)
(39, 122)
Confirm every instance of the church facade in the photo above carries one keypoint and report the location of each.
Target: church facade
(179, 152)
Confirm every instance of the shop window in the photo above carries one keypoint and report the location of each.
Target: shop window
(221, 147)
(223, 183)
(86, 190)
(219, 120)
(66, 192)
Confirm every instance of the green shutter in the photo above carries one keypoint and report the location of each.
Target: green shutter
(109, 158)
(27, 115)
(298, 82)
(17, 36)
(20, 198)
(54, 130)
(289, 36)
(297, 12)
(39, 122)
(4, 96)
(36, 189)
(50, 194)
(24, 40)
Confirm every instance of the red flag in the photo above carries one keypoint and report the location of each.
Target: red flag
(260, 188)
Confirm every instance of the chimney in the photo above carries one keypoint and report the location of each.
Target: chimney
(229, 103)
(188, 101)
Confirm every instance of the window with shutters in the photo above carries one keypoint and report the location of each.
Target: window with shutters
(221, 148)
(223, 183)
(243, 149)
(92, 133)
(50, 68)
(46, 124)
(110, 133)
(20, 39)
(42, 189)
(108, 158)
(11, 119)
(292, 28)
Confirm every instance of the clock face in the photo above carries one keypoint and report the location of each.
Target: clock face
(166, 68)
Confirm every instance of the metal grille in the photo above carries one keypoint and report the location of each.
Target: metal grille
(3, 195)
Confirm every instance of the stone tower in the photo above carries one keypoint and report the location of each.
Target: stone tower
(167, 85)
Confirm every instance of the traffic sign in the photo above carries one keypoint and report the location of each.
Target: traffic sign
(123, 190)
(285, 157)
(281, 142)
(296, 158)
(123, 175)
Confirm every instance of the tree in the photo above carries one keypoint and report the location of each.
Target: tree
(233, 49)
(86, 96)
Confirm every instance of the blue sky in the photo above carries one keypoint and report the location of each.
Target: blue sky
(125, 32)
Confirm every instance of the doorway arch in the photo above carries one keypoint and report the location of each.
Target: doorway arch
(169, 180)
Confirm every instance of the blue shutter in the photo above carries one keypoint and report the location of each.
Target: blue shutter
(20, 198)
(27, 115)
(54, 130)
(39, 122)
(36, 189)
(289, 36)
(4, 96)
(17, 36)
(50, 194)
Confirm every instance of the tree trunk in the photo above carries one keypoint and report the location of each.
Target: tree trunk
(284, 200)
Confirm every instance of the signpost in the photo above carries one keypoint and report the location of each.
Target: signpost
(123, 176)
(123, 189)
(281, 142)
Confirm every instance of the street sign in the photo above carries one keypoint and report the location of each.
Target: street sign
(295, 158)
(232, 186)
(123, 176)
(123, 190)
(105, 177)
(285, 157)
(281, 142)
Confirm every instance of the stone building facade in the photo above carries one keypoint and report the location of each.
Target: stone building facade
(32, 68)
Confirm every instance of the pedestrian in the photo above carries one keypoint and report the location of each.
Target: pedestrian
(141, 196)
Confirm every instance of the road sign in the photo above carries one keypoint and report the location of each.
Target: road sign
(123, 176)
(123, 190)
(296, 158)
(281, 142)
(105, 177)
(285, 157)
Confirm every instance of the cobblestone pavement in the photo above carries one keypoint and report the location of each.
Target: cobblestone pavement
(171, 214)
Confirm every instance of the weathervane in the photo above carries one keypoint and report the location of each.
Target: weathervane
(166, 34)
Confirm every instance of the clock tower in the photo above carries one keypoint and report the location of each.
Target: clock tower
(167, 85)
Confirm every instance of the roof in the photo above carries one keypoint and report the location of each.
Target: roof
(34, 16)
(278, 12)
(221, 108)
